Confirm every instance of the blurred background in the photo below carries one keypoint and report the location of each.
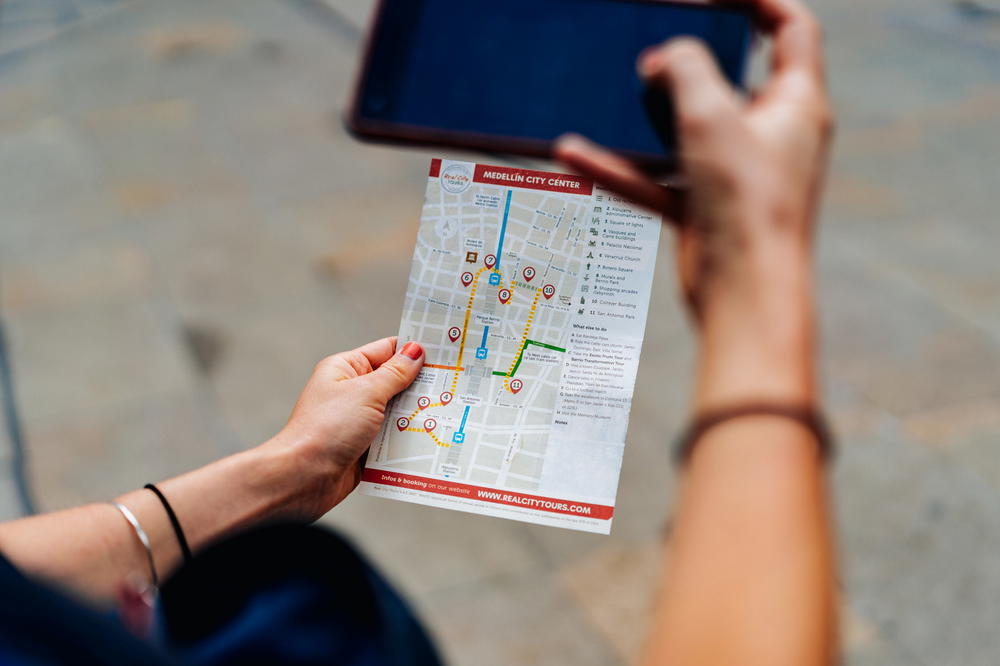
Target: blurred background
(185, 229)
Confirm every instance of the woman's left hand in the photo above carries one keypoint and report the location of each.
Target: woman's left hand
(336, 417)
(297, 475)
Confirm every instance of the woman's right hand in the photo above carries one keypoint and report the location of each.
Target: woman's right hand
(752, 172)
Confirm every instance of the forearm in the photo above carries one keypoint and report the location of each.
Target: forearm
(750, 575)
(91, 549)
(758, 332)
(750, 560)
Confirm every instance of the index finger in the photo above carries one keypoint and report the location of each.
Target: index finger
(379, 351)
(359, 361)
(616, 173)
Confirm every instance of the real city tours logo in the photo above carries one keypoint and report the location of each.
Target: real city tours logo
(456, 178)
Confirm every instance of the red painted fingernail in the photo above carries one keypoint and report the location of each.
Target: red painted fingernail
(412, 350)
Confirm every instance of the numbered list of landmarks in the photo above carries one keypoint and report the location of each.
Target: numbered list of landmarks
(607, 328)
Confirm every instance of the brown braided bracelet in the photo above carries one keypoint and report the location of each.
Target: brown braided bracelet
(808, 417)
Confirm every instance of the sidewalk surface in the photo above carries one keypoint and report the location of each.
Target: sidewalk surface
(185, 229)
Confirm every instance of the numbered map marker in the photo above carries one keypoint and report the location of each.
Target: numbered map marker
(423, 401)
(528, 273)
(490, 260)
(430, 424)
(548, 291)
(504, 295)
(402, 423)
(516, 385)
(466, 278)
(454, 333)
(446, 397)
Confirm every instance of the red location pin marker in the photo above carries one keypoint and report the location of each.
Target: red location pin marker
(466, 278)
(528, 273)
(454, 333)
(504, 295)
(490, 260)
(423, 401)
(402, 423)
(430, 424)
(446, 397)
(516, 385)
(548, 291)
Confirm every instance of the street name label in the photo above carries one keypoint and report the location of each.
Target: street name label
(532, 313)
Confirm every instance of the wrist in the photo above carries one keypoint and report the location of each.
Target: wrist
(288, 481)
(758, 332)
(308, 480)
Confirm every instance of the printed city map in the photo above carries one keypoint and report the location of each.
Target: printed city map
(529, 292)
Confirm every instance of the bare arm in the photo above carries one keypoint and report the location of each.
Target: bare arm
(750, 575)
(750, 568)
(298, 475)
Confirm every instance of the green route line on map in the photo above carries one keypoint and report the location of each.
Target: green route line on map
(521, 355)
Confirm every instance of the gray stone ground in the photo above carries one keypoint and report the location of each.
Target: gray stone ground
(185, 229)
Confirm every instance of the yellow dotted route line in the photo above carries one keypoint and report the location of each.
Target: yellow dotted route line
(461, 345)
(524, 338)
(468, 314)
(432, 435)
(418, 410)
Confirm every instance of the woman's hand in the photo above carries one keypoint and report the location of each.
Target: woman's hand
(298, 475)
(752, 168)
(752, 171)
(336, 418)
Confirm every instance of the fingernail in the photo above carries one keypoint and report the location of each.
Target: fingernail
(572, 141)
(571, 138)
(412, 350)
(648, 62)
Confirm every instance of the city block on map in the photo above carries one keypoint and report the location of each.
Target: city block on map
(529, 293)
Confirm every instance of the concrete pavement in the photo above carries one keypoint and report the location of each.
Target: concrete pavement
(186, 228)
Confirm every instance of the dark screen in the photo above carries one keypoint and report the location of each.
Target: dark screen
(534, 68)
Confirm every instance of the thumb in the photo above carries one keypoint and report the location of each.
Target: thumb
(687, 70)
(397, 373)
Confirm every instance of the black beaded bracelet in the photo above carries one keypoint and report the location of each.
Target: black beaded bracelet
(808, 417)
(185, 551)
